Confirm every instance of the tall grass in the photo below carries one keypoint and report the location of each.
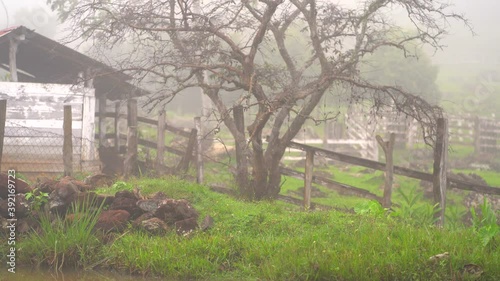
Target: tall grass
(61, 242)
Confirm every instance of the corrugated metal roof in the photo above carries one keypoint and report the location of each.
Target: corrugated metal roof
(7, 30)
(52, 62)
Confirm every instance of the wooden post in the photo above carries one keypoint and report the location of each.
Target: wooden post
(88, 125)
(186, 159)
(477, 136)
(117, 127)
(308, 177)
(241, 158)
(130, 163)
(440, 166)
(14, 42)
(3, 119)
(199, 156)
(68, 141)
(388, 148)
(326, 133)
(160, 141)
(102, 119)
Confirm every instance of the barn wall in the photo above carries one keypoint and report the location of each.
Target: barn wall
(34, 128)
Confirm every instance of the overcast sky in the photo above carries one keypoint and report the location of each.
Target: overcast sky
(483, 15)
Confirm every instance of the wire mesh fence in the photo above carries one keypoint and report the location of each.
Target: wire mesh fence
(36, 152)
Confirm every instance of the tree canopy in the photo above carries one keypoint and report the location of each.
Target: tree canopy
(224, 46)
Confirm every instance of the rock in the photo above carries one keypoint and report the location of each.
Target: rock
(22, 207)
(127, 194)
(159, 195)
(207, 223)
(65, 193)
(95, 200)
(185, 227)
(79, 184)
(99, 180)
(154, 225)
(146, 216)
(21, 186)
(112, 220)
(46, 185)
(149, 205)
(172, 211)
(126, 200)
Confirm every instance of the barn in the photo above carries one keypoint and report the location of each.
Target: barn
(39, 76)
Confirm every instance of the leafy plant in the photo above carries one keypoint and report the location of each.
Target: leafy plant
(370, 207)
(38, 199)
(412, 209)
(485, 224)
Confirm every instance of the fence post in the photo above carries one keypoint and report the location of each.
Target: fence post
(117, 126)
(184, 163)
(160, 142)
(3, 119)
(477, 136)
(102, 118)
(68, 141)
(308, 177)
(440, 166)
(199, 156)
(388, 148)
(130, 163)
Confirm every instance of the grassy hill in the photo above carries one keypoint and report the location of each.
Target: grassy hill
(278, 241)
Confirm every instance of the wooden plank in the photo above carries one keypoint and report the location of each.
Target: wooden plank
(102, 120)
(130, 163)
(308, 175)
(439, 171)
(88, 126)
(13, 44)
(3, 114)
(337, 186)
(199, 156)
(68, 142)
(160, 141)
(153, 145)
(186, 159)
(388, 148)
(117, 126)
(363, 162)
(34, 124)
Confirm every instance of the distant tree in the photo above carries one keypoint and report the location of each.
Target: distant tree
(221, 46)
(414, 73)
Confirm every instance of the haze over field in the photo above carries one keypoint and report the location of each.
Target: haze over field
(460, 63)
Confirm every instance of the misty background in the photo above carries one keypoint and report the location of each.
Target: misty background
(468, 78)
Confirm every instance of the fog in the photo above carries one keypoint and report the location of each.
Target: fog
(463, 48)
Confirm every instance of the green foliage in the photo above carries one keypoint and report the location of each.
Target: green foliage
(370, 207)
(38, 199)
(413, 210)
(485, 224)
(64, 241)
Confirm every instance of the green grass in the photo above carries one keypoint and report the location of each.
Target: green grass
(62, 242)
(276, 241)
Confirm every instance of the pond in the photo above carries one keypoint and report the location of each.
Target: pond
(28, 274)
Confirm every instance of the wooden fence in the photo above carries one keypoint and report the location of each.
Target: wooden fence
(133, 140)
(439, 178)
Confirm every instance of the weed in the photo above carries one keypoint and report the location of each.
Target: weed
(485, 224)
(38, 199)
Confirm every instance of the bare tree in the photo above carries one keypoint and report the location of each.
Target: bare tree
(176, 41)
